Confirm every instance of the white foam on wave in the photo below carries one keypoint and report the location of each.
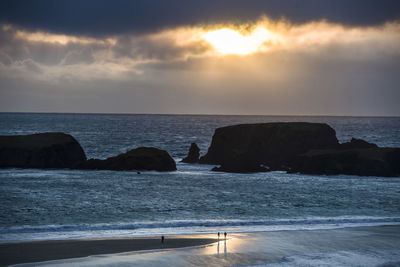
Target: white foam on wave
(181, 227)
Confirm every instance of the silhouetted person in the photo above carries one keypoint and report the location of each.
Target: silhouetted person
(162, 239)
(225, 235)
(218, 235)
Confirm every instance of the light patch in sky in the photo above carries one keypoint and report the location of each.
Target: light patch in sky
(62, 39)
(228, 41)
(264, 67)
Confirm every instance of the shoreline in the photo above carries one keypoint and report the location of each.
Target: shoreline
(185, 231)
(285, 242)
(49, 250)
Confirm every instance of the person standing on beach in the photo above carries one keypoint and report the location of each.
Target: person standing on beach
(218, 235)
(225, 235)
(162, 239)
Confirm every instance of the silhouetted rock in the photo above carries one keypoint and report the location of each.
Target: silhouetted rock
(357, 144)
(142, 158)
(43, 150)
(193, 155)
(364, 162)
(249, 147)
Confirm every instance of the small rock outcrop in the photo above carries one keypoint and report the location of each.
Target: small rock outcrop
(364, 162)
(43, 150)
(251, 147)
(357, 144)
(142, 158)
(193, 155)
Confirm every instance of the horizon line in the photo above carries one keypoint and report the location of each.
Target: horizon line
(198, 114)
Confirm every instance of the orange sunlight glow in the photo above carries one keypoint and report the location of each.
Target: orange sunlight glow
(61, 39)
(227, 41)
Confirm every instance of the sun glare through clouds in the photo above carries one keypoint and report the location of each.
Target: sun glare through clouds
(228, 41)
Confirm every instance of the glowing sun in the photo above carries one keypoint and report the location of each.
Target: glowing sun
(228, 41)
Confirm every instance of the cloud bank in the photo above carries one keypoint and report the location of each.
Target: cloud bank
(312, 68)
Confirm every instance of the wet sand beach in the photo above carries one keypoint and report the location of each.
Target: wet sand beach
(356, 246)
(36, 251)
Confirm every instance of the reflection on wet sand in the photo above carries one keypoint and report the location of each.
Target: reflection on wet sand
(225, 248)
(379, 244)
(218, 249)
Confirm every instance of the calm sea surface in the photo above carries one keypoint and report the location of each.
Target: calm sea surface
(47, 204)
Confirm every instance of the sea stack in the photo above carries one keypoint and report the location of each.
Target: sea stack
(266, 145)
(193, 155)
(43, 150)
(309, 148)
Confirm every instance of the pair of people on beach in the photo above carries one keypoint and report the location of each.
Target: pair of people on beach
(224, 235)
(163, 238)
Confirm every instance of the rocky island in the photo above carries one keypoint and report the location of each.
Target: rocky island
(60, 150)
(193, 155)
(295, 147)
(302, 147)
(44, 150)
(142, 158)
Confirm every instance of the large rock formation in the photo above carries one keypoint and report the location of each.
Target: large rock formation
(193, 155)
(44, 150)
(249, 147)
(59, 150)
(142, 158)
(363, 161)
(310, 148)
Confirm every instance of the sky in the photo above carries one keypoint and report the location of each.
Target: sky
(276, 57)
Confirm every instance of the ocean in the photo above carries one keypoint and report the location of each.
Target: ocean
(57, 204)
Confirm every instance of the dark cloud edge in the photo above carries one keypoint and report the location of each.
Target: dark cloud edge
(98, 18)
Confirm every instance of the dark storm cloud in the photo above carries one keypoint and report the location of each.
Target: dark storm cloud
(101, 17)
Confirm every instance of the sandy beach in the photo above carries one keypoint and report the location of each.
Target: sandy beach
(356, 246)
(36, 251)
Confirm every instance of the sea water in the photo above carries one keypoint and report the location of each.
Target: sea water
(56, 204)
